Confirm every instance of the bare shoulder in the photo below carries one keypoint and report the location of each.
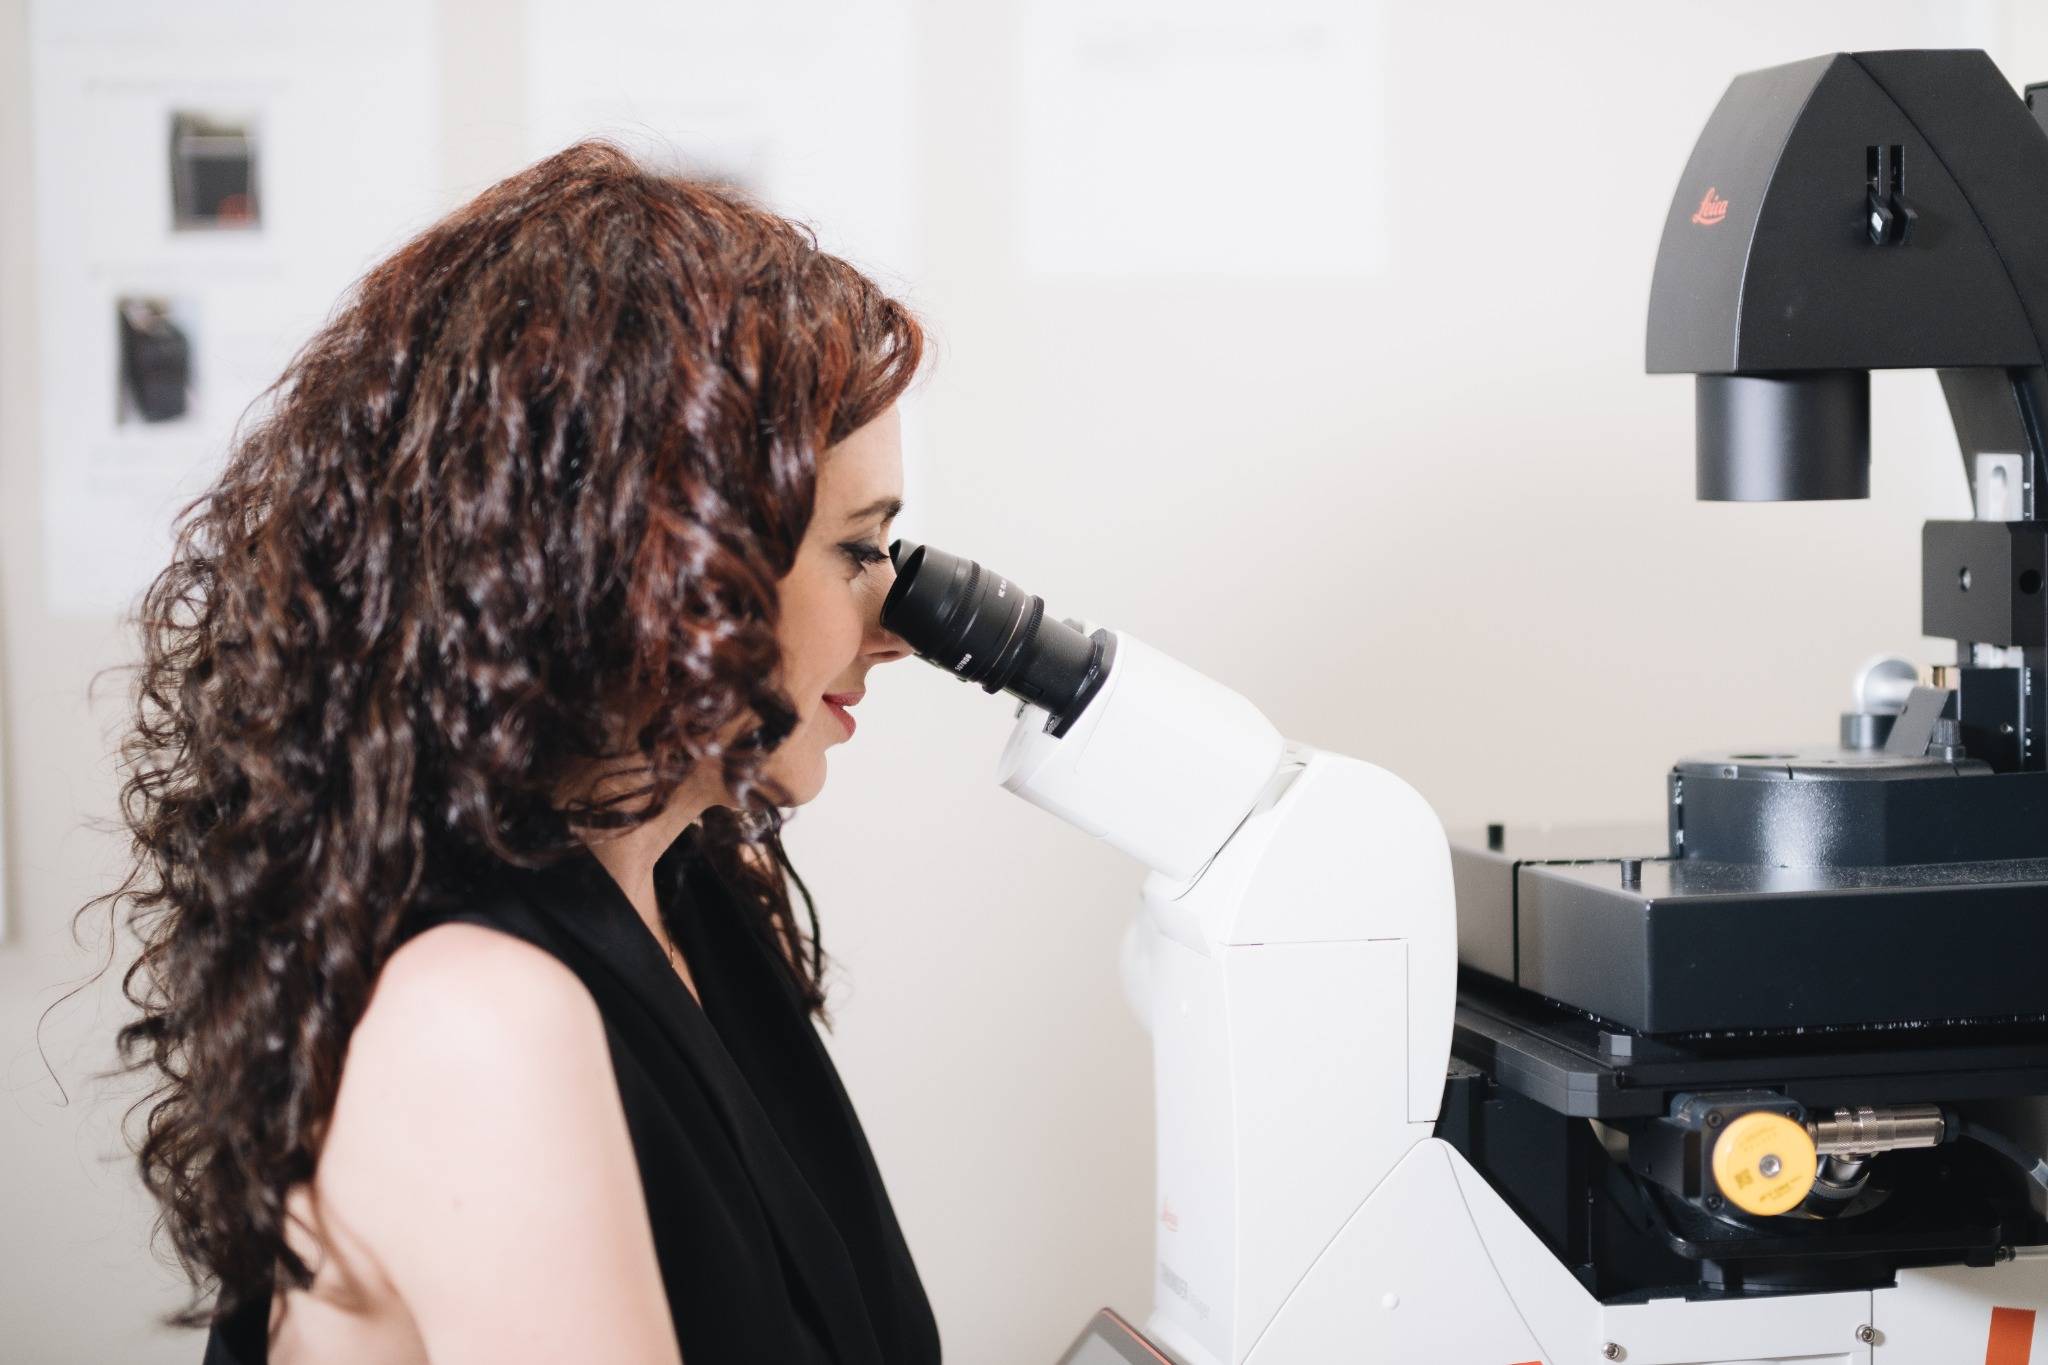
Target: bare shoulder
(463, 985)
(466, 1025)
(478, 1141)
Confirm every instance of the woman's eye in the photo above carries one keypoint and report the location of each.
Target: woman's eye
(863, 556)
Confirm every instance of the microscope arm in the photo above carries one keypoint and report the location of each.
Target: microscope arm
(1295, 962)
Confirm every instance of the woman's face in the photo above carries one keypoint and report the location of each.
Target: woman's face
(831, 632)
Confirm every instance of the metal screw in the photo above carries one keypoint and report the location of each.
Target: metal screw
(1770, 1166)
(1612, 1352)
(1715, 1120)
(1866, 1334)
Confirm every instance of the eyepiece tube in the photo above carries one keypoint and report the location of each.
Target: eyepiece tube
(982, 628)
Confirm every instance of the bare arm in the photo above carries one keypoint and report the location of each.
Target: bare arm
(480, 1154)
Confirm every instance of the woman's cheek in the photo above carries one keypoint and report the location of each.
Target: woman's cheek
(854, 626)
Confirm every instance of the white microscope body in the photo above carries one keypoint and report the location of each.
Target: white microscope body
(1296, 964)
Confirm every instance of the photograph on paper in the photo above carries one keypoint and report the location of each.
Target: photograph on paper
(213, 173)
(156, 360)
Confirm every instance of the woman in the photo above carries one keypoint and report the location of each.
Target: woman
(480, 1014)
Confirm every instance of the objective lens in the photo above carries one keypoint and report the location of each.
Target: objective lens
(982, 628)
(1783, 437)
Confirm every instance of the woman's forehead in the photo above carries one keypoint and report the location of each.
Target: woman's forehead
(864, 470)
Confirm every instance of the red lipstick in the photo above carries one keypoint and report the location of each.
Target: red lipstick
(841, 704)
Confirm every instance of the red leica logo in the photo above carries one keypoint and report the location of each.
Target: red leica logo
(1713, 208)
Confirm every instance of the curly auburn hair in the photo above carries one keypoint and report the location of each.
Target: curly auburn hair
(520, 506)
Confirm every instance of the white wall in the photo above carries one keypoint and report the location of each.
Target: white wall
(1436, 517)
(75, 1283)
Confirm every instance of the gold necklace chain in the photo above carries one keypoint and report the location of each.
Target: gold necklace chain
(677, 962)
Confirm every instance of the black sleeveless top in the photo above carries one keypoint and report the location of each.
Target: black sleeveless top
(776, 1240)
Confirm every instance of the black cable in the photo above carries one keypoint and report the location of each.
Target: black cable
(2033, 1167)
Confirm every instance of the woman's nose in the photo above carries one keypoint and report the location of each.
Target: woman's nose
(883, 645)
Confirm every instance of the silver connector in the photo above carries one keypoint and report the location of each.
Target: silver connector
(1884, 683)
(1843, 1172)
(1868, 1130)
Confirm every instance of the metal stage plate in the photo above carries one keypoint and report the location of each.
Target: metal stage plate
(1694, 947)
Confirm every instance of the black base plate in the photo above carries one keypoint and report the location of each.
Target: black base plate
(1583, 1067)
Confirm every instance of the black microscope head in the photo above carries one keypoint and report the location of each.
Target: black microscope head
(1859, 211)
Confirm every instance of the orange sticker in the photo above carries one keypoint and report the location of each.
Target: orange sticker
(2012, 1337)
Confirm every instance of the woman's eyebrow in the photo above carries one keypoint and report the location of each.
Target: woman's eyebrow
(885, 508)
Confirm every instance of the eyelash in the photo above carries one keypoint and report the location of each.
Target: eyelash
(862, 555)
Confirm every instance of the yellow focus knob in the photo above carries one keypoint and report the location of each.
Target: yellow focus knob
(1764, 1163)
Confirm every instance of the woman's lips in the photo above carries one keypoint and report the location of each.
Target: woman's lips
(841, 704)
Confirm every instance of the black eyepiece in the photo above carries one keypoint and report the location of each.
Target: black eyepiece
(982, 628)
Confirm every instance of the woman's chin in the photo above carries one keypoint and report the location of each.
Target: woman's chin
(802, 778)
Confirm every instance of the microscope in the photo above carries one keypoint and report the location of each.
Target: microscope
(1766, 1084)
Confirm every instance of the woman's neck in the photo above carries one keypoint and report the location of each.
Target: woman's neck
(630, 855)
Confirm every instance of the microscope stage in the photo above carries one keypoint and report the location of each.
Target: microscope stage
(1690, 947)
